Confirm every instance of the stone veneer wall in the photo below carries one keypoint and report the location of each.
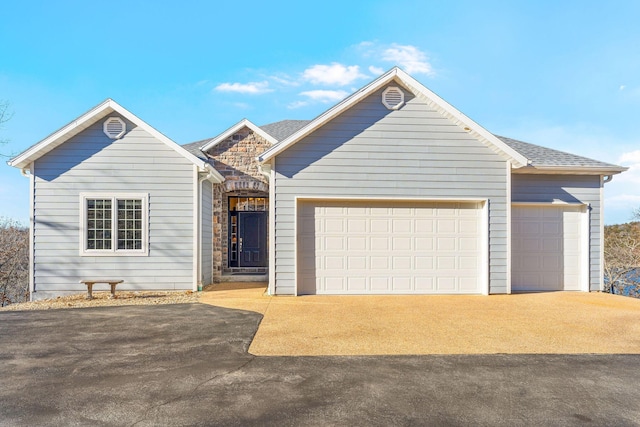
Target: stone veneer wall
(235, 159)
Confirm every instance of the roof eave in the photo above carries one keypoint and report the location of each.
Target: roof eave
(570, 170)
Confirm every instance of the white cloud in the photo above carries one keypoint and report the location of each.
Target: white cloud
(334, 74)
(631, 160)
(631, 157)
(376, 71)
(297, 104)
(285, 80)
(325, 95)
(409, 58)
(253, 88)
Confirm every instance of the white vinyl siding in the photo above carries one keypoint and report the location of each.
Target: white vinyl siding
(92, 163)
(390, 247)
(206, 234)
(372, 152)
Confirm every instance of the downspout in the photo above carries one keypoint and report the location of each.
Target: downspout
(265, 170)
(199, 237)
(607, 178)
(28, 173)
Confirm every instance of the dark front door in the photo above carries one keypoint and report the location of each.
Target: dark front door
(252, 239)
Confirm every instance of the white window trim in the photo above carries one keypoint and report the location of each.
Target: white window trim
(114, 235)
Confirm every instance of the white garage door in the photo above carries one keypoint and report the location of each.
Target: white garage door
(389, 248)
(546, 248)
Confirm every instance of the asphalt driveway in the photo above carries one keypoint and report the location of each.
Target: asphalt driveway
(188, 365)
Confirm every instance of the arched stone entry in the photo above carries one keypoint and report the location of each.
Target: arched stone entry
(232, 225)
(245, 185)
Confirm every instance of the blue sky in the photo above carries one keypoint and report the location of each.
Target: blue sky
(560, 74)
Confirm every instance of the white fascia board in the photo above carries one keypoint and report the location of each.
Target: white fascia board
(517, 160)
(234, 129)
(89, 118)
(201, 164)
(570, 170)
(61, 135)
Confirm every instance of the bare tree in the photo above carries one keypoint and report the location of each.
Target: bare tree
(5, 116)
(622, 254)
(14, 262)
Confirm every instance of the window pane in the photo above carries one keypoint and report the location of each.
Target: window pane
(130, 224)
(98, 224)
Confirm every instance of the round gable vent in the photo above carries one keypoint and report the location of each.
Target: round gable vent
(393, 98)
(114, 127)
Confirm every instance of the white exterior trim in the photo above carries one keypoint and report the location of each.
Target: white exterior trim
(584, 249)
(570, 170)
(396, 74)
(272, 229)
(484, 269)
(554, 203)
(114, 251)
(244, 123)
(601, 279)
(32, 216)
(196, 229)
(509, 204)
(92, 116)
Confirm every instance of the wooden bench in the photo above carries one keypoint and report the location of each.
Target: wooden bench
(112, 282)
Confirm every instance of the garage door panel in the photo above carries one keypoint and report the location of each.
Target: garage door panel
(424, 284)
(389, 247)
(379, 226)
(401, 243)
(379, 263)
(357, 283)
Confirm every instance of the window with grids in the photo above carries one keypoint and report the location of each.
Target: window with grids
(114, 224)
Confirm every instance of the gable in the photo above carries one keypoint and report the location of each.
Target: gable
(234, 155)
(91, 155)
(102, 112)
(397, 77)
(368, 138)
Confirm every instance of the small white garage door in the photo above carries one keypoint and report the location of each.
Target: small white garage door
(389, 247)
(546, 248)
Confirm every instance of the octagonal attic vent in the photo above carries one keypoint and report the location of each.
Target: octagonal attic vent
(393, 98)
(114, 127)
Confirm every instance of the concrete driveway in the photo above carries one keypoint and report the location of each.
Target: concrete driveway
(537, 323)
(177, 365)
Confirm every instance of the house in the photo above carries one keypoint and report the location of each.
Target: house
(391, 191)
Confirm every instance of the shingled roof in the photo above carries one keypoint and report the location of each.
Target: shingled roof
(194, 148)
(539, 156)
(547, 157)
(282, 129)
